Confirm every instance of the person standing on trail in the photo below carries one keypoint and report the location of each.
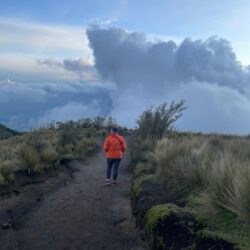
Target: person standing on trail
(114, 146)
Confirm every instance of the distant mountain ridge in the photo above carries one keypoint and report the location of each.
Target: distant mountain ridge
(6, 133)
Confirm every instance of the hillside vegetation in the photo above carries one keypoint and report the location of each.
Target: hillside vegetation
(6, 133)
(191, 191)
(45, 148)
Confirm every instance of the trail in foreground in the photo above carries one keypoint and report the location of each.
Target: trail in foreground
(81, 215)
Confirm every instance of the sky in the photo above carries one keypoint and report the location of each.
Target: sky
(66, 60)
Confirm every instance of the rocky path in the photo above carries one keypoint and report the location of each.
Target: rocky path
(82, 215)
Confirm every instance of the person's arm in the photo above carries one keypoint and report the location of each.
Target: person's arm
(106, 145)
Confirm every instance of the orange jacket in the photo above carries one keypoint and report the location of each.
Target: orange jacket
(114, 146)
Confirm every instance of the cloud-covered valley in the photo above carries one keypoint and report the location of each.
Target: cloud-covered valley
(25, 105)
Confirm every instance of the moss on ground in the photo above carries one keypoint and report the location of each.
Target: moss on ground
(137, 184)
(225, 226)
(142, 172)
(143, 169)
(159, 212)
(136, 187)
(171, 227)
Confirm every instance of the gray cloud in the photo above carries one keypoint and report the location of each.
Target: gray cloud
(130, 58)
(205, 73)
(213, 108)
(70, 111)
(79, 66)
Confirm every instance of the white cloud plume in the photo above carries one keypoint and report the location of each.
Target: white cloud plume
(205, 73)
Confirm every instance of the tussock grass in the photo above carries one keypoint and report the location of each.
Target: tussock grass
(6, 172)
(215, 170)
(30, 156)
(49, 155)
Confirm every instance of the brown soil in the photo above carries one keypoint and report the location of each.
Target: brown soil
(65, 212)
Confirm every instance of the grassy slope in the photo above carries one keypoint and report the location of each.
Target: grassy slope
(44, 149)
(205, 193)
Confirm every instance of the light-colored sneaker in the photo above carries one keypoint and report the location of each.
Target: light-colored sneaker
(107, 183)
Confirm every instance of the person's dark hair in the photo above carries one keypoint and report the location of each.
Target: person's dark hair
(114, 129)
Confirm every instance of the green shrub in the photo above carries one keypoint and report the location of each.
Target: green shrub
(158, 122)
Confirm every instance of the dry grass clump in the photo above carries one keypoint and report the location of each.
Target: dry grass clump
(240, 201)
(215, 170)
(49, 155)
(6, 172)
(8, 160)
(30, 157)
(179, 165)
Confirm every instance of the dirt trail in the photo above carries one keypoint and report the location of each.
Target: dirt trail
(84, 214)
